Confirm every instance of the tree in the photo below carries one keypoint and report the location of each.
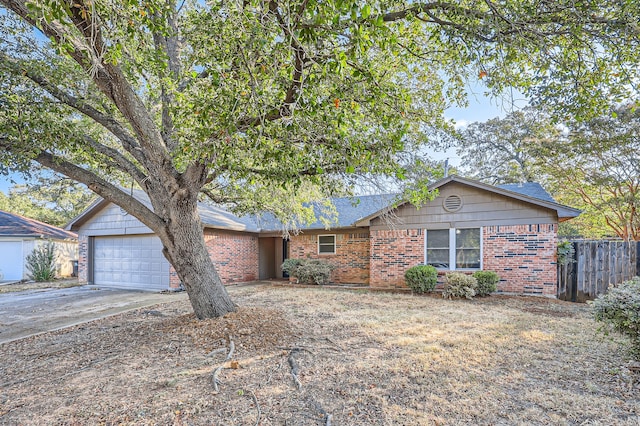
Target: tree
(505, 150)
(49, 199)
(186, 97)
(598, 165)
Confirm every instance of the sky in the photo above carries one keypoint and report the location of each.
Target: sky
(481, 108)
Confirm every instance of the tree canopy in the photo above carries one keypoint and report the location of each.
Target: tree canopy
(49, 199)
(233, 98)
(506, 150)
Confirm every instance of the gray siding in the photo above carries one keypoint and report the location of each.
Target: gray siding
(480, 208)
(111, 220)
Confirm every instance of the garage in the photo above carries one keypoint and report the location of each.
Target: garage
(11, 260)
(131, 262)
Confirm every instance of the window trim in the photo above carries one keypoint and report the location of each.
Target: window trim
(453, 248)
(335, 241)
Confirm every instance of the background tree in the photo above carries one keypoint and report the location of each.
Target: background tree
(51, 199)
(181, 97)
(598, 168)
(505, 150)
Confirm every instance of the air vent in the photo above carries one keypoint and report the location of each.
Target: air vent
(452, 203)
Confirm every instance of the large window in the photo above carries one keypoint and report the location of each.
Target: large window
(326, 244)
(454, 248)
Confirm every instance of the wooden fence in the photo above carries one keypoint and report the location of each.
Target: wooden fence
(596, 265)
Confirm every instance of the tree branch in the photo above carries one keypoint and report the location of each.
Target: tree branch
(98, 185)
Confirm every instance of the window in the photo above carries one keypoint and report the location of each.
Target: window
(326, 244)
(454, 248)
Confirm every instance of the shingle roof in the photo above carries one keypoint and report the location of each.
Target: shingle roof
(530, 189)
(13, 225)
(348, 211)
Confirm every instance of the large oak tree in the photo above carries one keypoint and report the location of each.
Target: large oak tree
(228, 97)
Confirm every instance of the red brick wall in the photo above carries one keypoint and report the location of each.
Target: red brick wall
(392, 253)
(351, 260)
(234, 254)
(524, 256)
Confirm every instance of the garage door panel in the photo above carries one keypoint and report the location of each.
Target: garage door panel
(11, 261)
(134, 262)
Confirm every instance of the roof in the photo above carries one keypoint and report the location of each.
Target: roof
(530, 189)
(211, 216)
(355, 211)
(529, 192)
(13, 225)
(348, 211)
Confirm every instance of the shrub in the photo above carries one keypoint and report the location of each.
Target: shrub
(459, 285)
(290, 266)
(41, 262)
(619, 309)
(487, 282)
(308, 271)
(421, 278)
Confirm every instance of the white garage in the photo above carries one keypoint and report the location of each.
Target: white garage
(11, 260)
(131, 262)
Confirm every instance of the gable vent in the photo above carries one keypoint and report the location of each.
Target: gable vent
(452, 203)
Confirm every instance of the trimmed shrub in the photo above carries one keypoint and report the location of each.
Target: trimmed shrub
(421, 278)
(487, 282)
(41, 262)
(459, 285)
(290, 266)
(619, 309)
(308, 271)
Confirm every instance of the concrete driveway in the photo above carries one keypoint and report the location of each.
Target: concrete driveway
(31, 312)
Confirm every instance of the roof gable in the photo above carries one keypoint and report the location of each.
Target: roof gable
(13, 225)
(530, 192)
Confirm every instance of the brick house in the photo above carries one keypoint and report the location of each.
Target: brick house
(510, 229)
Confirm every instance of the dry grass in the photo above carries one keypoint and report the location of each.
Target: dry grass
(26, 286)
(364, 359)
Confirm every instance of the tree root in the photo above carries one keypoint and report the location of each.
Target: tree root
(214, 376)
(294, 367)
(255, 401)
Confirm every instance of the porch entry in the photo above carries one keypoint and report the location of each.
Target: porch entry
(272, 252)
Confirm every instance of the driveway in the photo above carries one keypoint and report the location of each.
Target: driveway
(26, 313)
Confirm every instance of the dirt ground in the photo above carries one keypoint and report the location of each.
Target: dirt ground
(361, 359)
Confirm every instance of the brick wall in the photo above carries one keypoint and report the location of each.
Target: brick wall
(351, 260)
(235, 255)
(392, 253)
(524, 256)
(83, 258)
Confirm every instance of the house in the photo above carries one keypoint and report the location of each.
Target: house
(19, 236)
(511, 229)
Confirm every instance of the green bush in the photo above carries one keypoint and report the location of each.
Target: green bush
(41, 262)
(421, 278)
(487, 282)
(459, 285)
(308, 271)
(290, 266)
(619, 309)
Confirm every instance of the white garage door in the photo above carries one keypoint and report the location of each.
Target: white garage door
(11, 262)
(134, 262)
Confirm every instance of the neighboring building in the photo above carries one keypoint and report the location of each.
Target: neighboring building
(19, 236)
(469, 226)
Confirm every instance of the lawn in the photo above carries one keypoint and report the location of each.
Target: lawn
(361, 358)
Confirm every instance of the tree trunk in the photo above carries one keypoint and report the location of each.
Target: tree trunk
(185, 249)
